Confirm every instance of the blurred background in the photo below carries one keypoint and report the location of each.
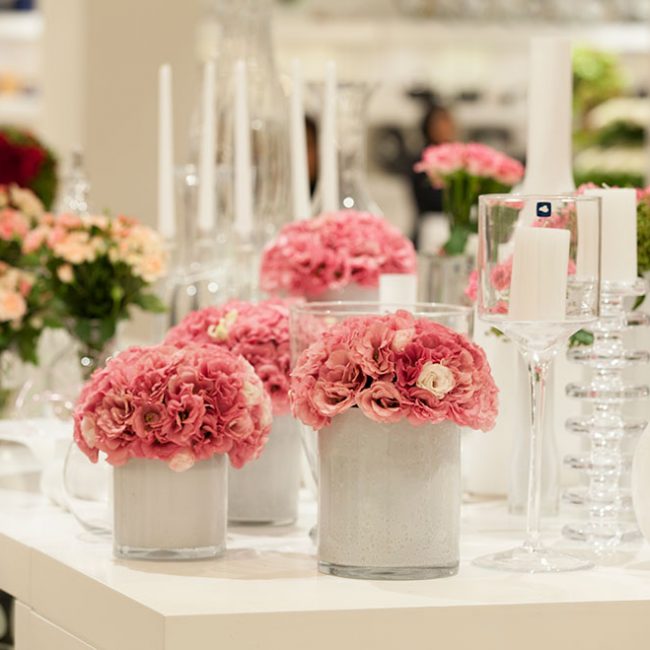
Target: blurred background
(83, 75)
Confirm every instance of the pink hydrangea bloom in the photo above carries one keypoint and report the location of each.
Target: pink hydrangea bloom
(178, 405)
(333, 250)
(257, 331)
(394, 367)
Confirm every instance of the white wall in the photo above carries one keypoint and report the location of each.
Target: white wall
(100, 90)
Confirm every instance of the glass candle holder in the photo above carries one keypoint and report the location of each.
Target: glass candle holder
(539, 283)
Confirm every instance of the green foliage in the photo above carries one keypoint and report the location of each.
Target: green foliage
(98, 298)
(610, 179)
(581, 337)
(460, 196)
(597, 77)
(643, 236)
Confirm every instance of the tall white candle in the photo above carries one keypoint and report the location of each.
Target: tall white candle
(549, 147)
(166, 195)
(539, 274)
(207, 197)
(243, 172)
(398, 288)
(618, 234)
(587, 259)
(329, 168)
(299, 170)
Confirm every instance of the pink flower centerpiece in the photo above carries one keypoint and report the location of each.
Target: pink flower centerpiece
(257, 331)
(267, 490)
(464, 172)
(175, 405)
(394, 367)
(332, 251)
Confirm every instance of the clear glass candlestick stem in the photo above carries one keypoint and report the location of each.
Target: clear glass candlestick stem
(538, 283)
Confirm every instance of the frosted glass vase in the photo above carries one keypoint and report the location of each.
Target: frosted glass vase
(265, 491)
(160, 514)
(389, 499)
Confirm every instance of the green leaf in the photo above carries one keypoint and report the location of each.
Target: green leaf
(581, 337)
(150, 302)
(457, 241)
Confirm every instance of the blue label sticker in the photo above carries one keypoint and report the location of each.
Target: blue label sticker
(544, 209)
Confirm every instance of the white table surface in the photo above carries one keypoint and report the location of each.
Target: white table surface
(266, 593)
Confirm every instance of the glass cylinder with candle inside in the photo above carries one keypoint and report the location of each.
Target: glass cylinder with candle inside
(538, 282)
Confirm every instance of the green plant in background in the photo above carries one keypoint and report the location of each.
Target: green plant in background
(597, 76)
(643, 235)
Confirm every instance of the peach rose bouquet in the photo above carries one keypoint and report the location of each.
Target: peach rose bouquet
(394, 367)
(23, 295)
(178, 405)
(98, 268)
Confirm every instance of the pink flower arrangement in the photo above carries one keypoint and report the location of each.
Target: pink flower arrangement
(334, 250)
(257, 331)
(473, 158)
(15, 287)
(394, 367)
(175, 405)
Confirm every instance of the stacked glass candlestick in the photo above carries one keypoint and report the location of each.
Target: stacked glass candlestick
(609, 433)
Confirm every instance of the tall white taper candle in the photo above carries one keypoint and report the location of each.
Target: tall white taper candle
(243, 172)
(618, 253)
(329, 168)
(539, 274)
(166, 194)
(548, 154)
(299, 170)
(207, 154)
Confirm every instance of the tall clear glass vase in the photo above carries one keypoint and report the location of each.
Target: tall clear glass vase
(241, 30)
(352, 145)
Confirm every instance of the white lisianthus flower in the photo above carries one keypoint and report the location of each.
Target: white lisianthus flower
(436, 378)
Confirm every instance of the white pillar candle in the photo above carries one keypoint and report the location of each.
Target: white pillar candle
(548, 154)
(207, 197)
(329, 172)
(588, 238)
(539, 274)
(166, 195)
(398, 288)
(243, 172)
(299, 170)
(618, 233)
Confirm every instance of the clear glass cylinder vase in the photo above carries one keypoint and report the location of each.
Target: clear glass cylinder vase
(352, 145)
(160, 514)
(241, 30)
(389, 499)
(265, 490)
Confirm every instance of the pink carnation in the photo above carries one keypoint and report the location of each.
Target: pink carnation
(394, 367)
(475, 159)
(172, 404)
(257, 331)
(332, 251)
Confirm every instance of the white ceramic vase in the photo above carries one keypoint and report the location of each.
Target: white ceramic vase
(389, 499)
(265, 490)
(160, 514)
